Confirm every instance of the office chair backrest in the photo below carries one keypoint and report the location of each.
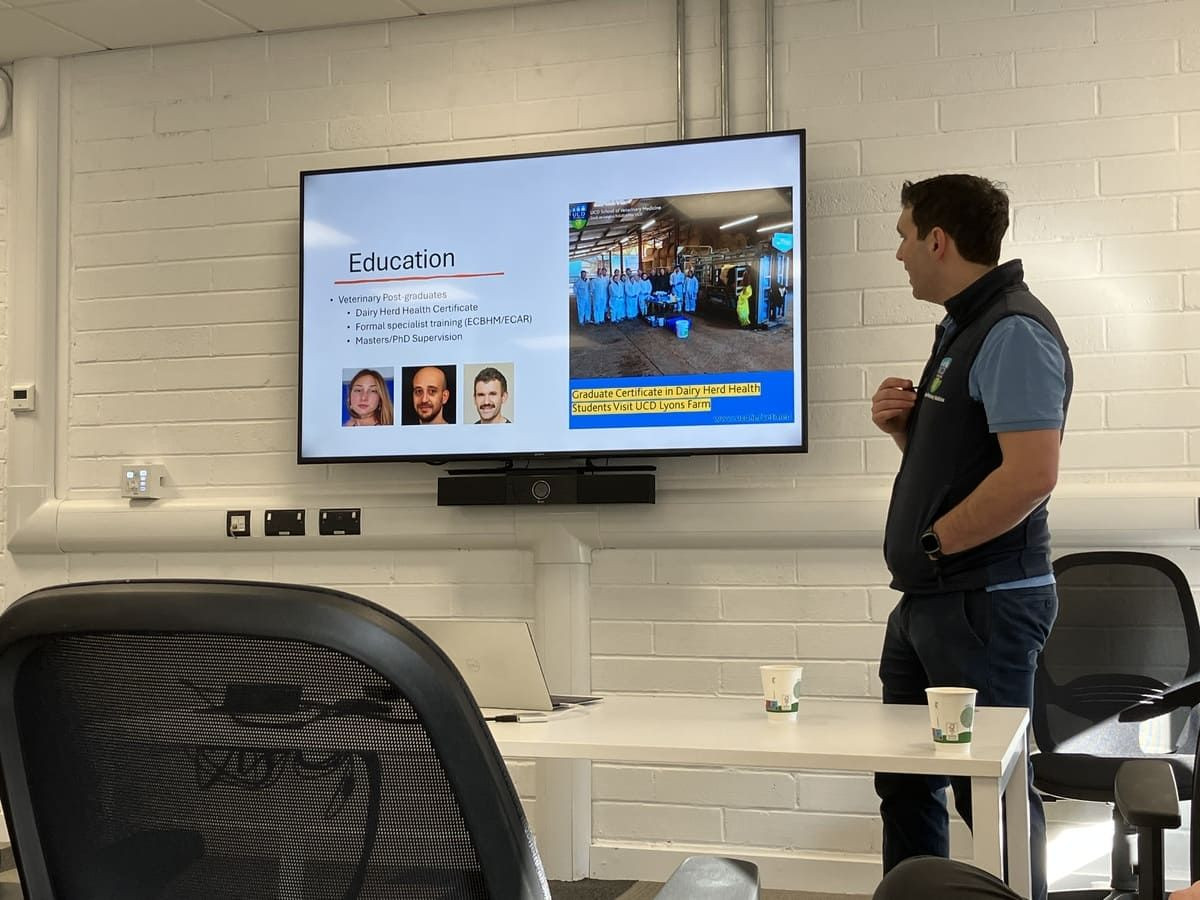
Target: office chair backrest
(191, 739)
(1127, 626)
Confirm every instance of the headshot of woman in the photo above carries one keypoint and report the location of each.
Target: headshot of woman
(368, 401)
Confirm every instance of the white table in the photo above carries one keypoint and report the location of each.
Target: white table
(837, 735)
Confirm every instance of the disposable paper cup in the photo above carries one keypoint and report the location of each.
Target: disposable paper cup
(781, 691)
(951, 717)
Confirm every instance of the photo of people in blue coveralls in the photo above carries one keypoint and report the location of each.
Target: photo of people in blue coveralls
(682, 284)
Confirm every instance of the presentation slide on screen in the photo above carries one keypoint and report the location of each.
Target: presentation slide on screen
(555, 297)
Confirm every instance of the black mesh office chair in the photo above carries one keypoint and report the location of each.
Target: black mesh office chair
(1127, 628)
(211, 740)
(1148, 800)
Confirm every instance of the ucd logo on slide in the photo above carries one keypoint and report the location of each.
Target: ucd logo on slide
(580, 213)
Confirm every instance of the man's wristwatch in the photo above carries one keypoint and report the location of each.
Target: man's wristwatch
(931, 544)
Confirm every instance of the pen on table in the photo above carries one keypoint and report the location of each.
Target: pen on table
(513, 717)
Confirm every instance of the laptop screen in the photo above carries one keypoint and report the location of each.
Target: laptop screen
(497, 660)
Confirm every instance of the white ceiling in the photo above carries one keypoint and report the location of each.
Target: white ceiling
(65, 27)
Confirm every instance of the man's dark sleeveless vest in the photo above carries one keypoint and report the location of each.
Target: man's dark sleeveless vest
(950, 451)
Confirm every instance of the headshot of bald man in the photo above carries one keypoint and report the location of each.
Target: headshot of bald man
(430, 395)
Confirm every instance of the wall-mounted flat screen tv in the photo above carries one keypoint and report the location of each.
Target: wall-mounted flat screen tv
(627, 301)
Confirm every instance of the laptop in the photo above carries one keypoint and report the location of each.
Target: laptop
(500, 664)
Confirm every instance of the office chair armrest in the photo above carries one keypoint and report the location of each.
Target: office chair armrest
(1181, 695)
(1146, 794)
(712, 878)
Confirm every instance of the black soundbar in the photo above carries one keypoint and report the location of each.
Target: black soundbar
(544, 488)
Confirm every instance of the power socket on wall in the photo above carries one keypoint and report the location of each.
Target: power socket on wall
(340, 521)
(283, 522)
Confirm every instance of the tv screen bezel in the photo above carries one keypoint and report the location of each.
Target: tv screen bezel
(800, 306)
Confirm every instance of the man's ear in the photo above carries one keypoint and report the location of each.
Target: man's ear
(939, 241)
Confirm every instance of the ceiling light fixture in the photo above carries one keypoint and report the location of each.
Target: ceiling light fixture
(742, 221)
(648, 224)
(775, 227)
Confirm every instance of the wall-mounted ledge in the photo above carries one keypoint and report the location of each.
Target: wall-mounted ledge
(34, 518)
(555, 534)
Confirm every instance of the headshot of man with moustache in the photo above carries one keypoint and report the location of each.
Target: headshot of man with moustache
(491, 395)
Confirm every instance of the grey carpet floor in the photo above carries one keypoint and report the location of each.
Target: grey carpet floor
(595, 889)
(646, 890)
(589, 889)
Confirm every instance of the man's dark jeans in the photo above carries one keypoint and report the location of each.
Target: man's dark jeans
(971, 639)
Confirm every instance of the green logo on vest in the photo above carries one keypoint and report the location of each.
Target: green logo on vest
(937, 379)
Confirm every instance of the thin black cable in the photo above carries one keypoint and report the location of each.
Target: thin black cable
(371, 826)
(367, 709)
(250, 768)
(256, 769)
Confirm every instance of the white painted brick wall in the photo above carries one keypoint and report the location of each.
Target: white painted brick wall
(1156, 173)
(1021, 106)
(860, 50)
(1167, 93)
(819, 831)
(880, 15)
(1058, 181)
(1151, 253)
(6, 162)
(657, 822)
(1071, 297)
(841, 160)
(1058, 30)
(182, 279)
(1189, 211)
(1090, 218)
(936, 79)
(1145, 21)
(907, 155)
(129, 121)
(1096, 63)
(1086, 140)
(771, 790)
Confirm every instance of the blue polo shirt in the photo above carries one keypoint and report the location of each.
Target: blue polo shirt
(1019, 377)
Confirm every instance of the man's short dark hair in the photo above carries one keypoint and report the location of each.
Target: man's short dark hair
(492, 374)
(972, 210)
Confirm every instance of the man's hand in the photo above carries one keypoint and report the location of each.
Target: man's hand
(891, 406)
(1188, 893)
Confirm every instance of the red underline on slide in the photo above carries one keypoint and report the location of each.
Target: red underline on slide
(418, 278)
